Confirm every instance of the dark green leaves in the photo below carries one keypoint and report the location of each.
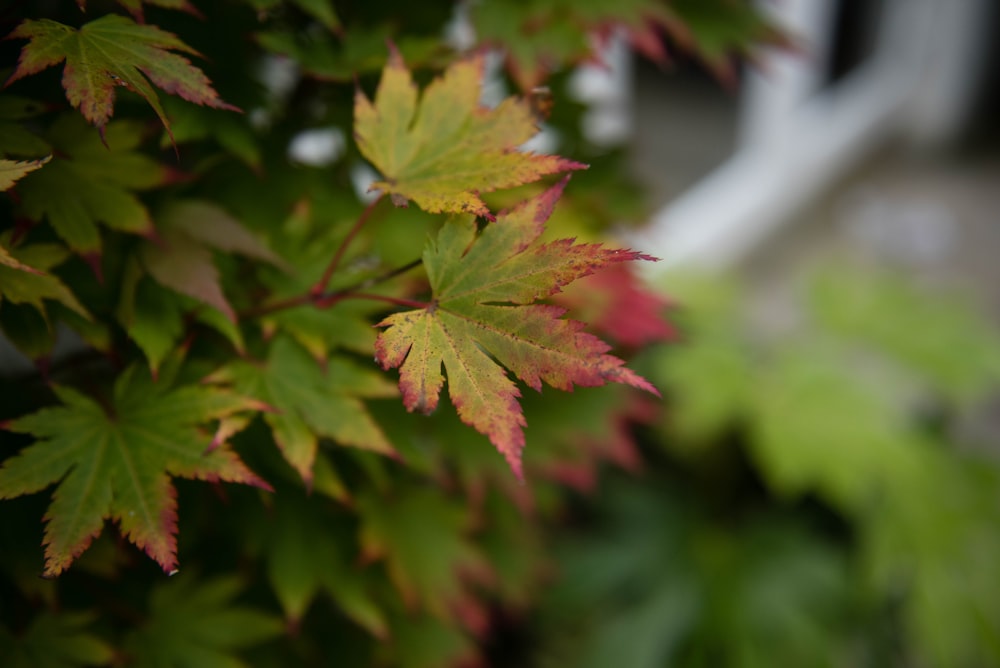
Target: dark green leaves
(310, 401)
(196, 623)
(113, 459)
(91, 183)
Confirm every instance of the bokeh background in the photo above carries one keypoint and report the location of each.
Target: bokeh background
(822, 487)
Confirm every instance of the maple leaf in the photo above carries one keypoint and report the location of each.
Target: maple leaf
(181, 257)
(17, 138)
(719, 31)
(311, 401)
(155, 317)
(93, 183)
(194, 623)
(116, 462)
(481, 311)
(306, 555)
(27, 293)
(358, 51)
(424, 539)
(55, 641)
(24, 278)
(541, 36)
(110, 52)
(321, 10)
(194, 124)
(447, 149)
(11, 171)
(615, 302)
(537, 37)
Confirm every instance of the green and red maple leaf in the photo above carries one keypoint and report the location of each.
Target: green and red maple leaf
(109, 53)
(483, 314)
(540, 37)
(114, 460)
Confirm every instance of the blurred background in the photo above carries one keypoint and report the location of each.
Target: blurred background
(823, 488)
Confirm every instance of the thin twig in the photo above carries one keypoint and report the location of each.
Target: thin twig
(327, 299)
(374, 297)
(280, 305)
(382, 278)
(321, 284)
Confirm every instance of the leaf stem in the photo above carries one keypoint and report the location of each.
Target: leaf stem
(280, 305)
(398, 301)
(320, 287)
(382, 278)
(328, 299)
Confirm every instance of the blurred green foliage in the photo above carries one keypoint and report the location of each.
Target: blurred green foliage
(813, 497)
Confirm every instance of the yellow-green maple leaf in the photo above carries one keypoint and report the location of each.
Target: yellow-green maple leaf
(13, 170)
(445, 149)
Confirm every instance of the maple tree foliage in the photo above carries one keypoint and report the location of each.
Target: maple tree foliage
(201, 305)
(481, 310)
(89, 184)
(615, 302)
(541, 37)
(311, 402)
(115, 462)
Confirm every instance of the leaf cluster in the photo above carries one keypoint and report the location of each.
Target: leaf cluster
(195, 308)
(820, 498)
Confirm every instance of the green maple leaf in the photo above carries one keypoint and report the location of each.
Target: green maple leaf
(92, 184)
(25, 278)
(194, 623)
(16, 138)
(306, 556)
(423, 641)
(111, 52)
(27, 293)
(447, 149)
(423, 536)
(358, 51)
(115, 462)
(55, 641)
(197, 124)
(481, 316)
(536, 42)
(181, 260)
(311, 402)
(719, 31)
(155, 317)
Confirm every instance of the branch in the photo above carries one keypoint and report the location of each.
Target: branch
(321, 284)
(280, 305)
(330, 301)
(327, 299)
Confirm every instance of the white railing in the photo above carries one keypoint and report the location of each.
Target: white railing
(798, 137)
